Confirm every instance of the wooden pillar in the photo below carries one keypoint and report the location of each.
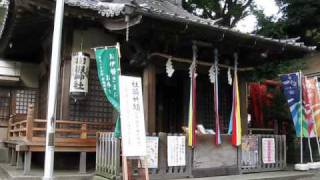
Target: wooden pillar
(83, 163)
(27, 162)
(65, 87)
(13, 157)
(9, 126)
(243, 91)
(9, 155)
(66, 70)
(19, 160)
(149, 95)
(83, 155)
(30, 117)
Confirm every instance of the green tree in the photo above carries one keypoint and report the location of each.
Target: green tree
(300, 18)
(230, 11)
(269, 26)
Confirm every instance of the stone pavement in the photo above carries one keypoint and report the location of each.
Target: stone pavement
(3, 175)
(278, 175)
(67, 175)
(8, 172)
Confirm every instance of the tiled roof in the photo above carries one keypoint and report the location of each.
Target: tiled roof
(166, 9)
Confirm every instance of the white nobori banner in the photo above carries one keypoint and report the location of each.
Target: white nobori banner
(132, 117)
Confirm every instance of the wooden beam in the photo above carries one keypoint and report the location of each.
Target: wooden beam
(149, 94)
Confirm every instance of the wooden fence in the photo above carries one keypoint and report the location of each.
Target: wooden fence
(251, 154)
(108, 159)
(108, 156)
(28, 135)
(34, 130)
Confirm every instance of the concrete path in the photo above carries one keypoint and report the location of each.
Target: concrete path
(3, 175)
(280, 175)
(11, 173)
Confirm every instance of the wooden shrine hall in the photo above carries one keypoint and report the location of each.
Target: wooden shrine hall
(149, 33)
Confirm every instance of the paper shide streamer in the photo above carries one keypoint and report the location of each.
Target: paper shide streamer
(212, 74)
(229, 76)
(169, 67)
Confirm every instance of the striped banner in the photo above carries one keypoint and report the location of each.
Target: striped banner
(235, 119)
(315, 101)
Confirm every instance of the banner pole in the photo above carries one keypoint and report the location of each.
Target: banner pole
(315, 129)
(53, 88)
(310, 150)
(301, 127)
(216, 92)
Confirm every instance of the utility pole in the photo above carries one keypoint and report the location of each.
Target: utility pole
(53, 88)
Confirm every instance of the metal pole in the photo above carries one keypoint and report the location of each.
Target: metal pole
(53, 87)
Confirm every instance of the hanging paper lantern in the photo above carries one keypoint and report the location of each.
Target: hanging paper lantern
(169, 67)
(80, 64)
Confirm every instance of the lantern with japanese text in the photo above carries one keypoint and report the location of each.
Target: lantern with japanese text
(80, 65)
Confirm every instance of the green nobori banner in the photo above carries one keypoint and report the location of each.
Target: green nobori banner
(108, 65)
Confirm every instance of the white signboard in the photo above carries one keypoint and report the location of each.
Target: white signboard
(132, 117)
(268, 151)
(80, 64)
(152, 152)
(176, 150)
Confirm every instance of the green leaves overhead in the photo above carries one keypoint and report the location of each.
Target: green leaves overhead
(230, 11)
(300, 18)
(273, 69)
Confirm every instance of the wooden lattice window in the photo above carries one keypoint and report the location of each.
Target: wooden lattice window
(4, 106)
(205, 102)
(94, 107)
(23, 99)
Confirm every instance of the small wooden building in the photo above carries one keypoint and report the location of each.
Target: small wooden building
(156, 30)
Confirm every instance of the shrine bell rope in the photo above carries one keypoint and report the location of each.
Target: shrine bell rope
(199, 62)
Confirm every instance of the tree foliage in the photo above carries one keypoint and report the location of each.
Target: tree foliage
(230, 11)
(300, 18)
(273, 69)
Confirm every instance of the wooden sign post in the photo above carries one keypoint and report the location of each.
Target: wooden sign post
(133, 129)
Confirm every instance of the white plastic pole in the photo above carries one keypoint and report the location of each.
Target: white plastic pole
(310, 149)
(52, 91)
(315, 128)
(301, 126)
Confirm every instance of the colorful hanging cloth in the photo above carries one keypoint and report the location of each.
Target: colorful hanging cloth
(306, 99)
(293, 91)
(313, 92)
(192, 106)
(257, 93)
(235, 118)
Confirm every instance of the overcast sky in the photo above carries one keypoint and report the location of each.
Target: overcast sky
(249, 23)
